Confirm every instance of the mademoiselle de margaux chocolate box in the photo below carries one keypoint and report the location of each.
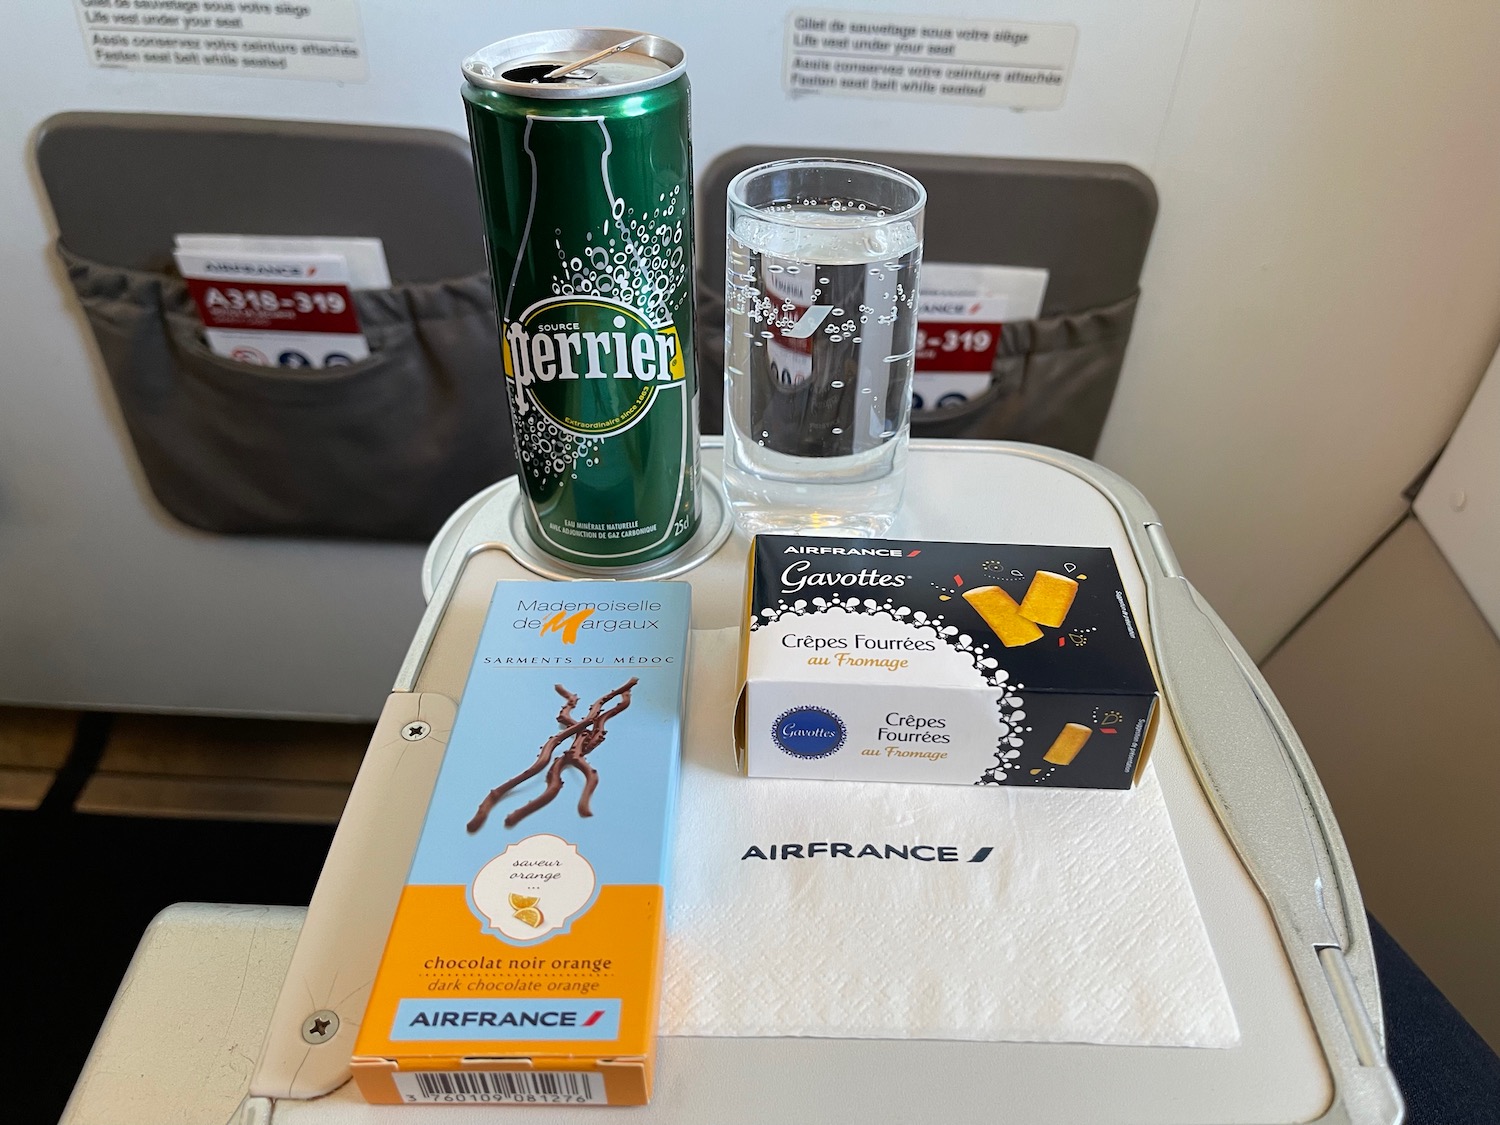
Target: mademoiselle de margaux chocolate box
(960, 663)
(524, 960)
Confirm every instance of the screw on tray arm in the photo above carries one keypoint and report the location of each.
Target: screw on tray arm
(587, 733)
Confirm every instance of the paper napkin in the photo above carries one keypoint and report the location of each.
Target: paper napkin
(926, 911)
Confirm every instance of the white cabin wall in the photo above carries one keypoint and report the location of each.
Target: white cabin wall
(1323, 290)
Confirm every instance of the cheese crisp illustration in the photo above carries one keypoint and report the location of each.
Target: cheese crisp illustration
(1066, 745)
(1049, 598)
(1003, 615)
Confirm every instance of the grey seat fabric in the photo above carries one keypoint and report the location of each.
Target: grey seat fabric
(384, 448)
(1052, 382)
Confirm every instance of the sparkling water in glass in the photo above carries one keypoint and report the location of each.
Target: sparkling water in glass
(820, 337)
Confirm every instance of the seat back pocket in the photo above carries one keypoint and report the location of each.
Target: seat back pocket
(383, 448)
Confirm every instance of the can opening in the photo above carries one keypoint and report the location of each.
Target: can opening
(535, 74)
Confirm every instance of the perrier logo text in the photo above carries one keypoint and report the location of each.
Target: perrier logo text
(590, 364)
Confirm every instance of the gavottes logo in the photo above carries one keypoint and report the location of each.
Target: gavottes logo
(809, 732)
(800, 575)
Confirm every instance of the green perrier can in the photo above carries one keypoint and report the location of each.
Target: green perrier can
(585, 177)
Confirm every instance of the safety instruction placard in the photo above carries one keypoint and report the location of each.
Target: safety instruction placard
(280, 310)
(961, 310)
(252, 38)
(865, 54)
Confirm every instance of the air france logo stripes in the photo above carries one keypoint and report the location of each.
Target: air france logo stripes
(506, 1019)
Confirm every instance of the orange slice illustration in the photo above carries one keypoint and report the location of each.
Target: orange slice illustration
(529, 915)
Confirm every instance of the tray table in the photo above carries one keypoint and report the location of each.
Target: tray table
(1261, 847)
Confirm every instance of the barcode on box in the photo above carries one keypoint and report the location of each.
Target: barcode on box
(502, 1087)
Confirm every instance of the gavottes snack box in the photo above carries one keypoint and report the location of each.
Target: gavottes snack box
(524, 960)
(958, 663)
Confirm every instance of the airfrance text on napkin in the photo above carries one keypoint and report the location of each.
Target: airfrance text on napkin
(963, 663)
(524, 960)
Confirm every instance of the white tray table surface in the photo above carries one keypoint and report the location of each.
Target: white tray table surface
(1275, 1074)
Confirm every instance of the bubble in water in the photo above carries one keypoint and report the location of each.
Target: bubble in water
(836, 383)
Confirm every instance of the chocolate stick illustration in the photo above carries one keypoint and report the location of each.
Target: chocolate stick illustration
(590, 782)
(570, 756)
(570, 727)
(554, 787)
(587, 733)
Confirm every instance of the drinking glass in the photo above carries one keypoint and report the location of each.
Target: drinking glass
(819, 339)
